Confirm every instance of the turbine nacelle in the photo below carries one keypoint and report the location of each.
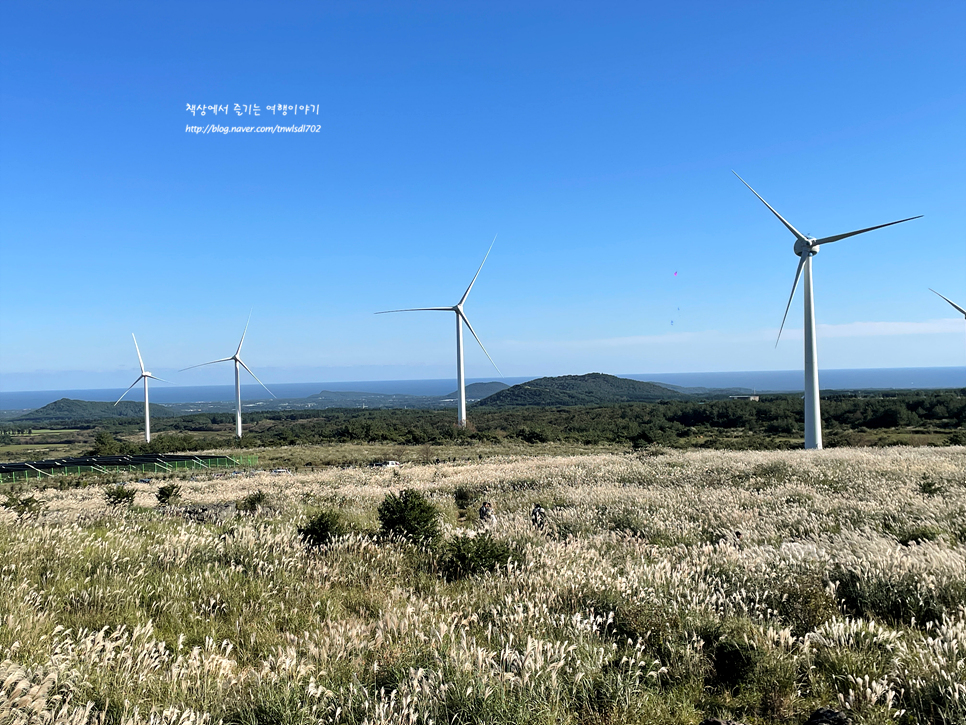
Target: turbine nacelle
(806, 245)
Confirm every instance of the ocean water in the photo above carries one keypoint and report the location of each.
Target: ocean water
(761, 381)
(775, 381)
(162, 393)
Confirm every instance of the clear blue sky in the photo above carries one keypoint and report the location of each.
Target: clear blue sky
(597, 139)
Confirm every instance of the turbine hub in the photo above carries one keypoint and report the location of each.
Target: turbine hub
(802, 247)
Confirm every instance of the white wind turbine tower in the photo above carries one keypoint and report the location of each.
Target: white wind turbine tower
(460, 319)
(236, 358)
(955, 306)
(144, 376)
(806, 248)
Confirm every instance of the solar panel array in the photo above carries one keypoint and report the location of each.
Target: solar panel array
(162, 460)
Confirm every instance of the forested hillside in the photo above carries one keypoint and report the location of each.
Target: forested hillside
(591, 389)
(66, 409)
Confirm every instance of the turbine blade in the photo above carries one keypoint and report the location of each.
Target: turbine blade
(238, 351)
(949, 301)
(838, 237)
(798, 273)
(224, 359)
(467, 293)
(129, 387)
(793, 230)
(463, 317)
(140, 361)
(240, 362)
(155, 377)
(419, 309)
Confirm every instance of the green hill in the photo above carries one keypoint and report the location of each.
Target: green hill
(67, 409)
(591, 389)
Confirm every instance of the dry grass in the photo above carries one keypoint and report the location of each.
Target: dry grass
(847, 588)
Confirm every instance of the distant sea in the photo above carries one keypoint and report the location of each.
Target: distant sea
(762, 381)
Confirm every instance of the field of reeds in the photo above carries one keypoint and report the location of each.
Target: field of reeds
(662, 588)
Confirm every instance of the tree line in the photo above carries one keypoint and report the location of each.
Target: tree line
(774, 421)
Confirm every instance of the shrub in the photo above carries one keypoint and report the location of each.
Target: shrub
(23, 504)
(252, 502)
(777, 471)
(464, 496)
(931, 487)
(168, 494)
(105, 445)
(471, 555)
(412, 515)
(804, 603)
(323, 527)
(896, 600)
(956, 438)
(119, 495)
(917, 533)
(650, 435)
(732, 660)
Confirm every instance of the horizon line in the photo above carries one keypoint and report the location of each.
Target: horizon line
(173, 386)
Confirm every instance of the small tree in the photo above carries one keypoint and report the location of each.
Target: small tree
(323, 527)
(23, 505)
(412, 515)
(119, 495)
(168, 494)
(466, 556)
(252, 502)
(105, 445)
(464, 496)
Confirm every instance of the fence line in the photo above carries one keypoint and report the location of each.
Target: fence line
(33, 473)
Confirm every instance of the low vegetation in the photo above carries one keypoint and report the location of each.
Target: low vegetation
(22, 504)
(119, 495)
(412, 516)
(774, 422)
(324, 526)
(664, 587)
(168, 493)
(252, 502)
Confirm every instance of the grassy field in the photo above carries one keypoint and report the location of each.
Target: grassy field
(37, 451)
(637, 603)
(43, 443)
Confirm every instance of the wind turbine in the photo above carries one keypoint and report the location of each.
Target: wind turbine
(239, 363)
(806, 248)
(144, 376)
(460, 319)
(955, 306)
